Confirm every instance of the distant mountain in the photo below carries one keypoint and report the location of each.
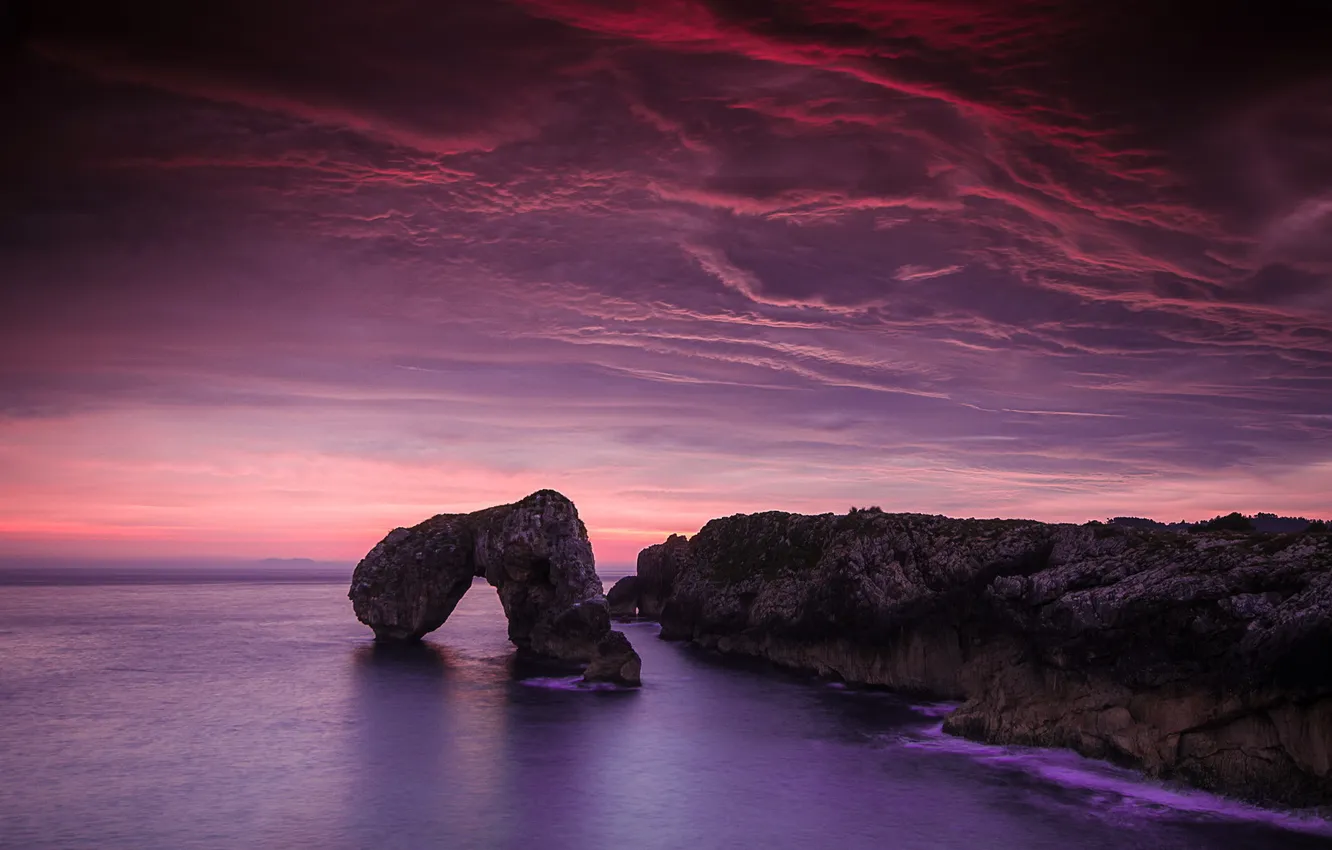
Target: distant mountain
(56, 570)
(1262, 523)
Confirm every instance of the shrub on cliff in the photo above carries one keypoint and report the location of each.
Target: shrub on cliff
(1234, 521)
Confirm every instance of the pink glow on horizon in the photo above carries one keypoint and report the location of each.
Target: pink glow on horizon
(135, 485)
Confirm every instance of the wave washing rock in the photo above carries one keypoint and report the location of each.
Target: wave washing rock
(1205, 657)
(535, 553)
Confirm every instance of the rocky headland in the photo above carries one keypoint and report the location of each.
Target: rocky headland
(534, 552)
(1199, 656)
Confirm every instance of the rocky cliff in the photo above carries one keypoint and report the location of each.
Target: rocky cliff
(1200, 656)
(644, 593)
(534, 552)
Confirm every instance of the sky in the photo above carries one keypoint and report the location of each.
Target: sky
(280, 275)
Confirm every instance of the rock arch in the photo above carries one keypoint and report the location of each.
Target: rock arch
(534, 552)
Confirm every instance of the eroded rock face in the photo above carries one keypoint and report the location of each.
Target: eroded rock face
(535, 553)
(623, 597)
(1197, 656)
(614, 660)
(658, 566)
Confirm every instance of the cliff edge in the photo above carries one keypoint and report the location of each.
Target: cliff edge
(1205, 657)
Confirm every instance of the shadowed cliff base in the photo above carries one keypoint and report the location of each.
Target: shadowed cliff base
(1198, 656)
(534, 552)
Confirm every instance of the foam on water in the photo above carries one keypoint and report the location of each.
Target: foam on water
(936, 709)
(1114, 790)
(570, 683)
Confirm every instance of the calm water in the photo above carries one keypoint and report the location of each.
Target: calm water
(257, 713)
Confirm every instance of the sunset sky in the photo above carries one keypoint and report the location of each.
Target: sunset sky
(281, 275)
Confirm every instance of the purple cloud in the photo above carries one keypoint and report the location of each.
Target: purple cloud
(677, 259)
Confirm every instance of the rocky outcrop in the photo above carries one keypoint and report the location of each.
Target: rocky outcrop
(644, 593)
(1199, 656)
(623, 597)
(658, 566)
(614, 660)
(535, 553)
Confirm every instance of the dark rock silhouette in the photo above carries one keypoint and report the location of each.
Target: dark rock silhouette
(534, 552)
(614, 660)
(623, 597)
(658, 566)
(645, 593)
(1234, 521)
(1262, 523)
(1201, 656)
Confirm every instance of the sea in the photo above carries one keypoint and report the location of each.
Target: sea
(237, 708)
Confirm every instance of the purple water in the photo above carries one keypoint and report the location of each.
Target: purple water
(258, 714)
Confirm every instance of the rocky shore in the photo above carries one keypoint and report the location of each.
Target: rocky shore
(534, 552)
(1204, 657)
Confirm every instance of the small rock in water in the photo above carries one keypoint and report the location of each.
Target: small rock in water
(614, 660)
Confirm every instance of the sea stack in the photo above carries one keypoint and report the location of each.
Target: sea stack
(623, 598)
(534, 552)
(644, 593)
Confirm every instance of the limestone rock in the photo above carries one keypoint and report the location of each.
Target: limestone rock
(1199, 656)
(534, 552)
(658, 566)
(623, 597)
(614, 661)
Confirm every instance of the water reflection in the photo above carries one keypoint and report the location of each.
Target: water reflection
(424, 658)
(399, 738)
(464, 739)
(522, 665)
(203, 716)
(427, 731)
